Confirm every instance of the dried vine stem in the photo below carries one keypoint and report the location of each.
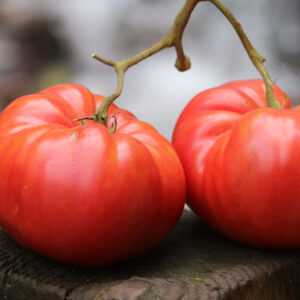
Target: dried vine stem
(174, 39)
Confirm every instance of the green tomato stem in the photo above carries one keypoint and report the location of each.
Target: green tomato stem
(254, 56)
(174, 39)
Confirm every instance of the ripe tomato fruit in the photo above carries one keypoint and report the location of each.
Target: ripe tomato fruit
(242, 163)
(77, 193)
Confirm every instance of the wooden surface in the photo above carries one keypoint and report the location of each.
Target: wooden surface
(192, 263)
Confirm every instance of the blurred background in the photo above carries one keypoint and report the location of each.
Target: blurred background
(48, 42)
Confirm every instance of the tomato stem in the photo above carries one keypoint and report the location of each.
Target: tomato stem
(174, 39)
(254, 56)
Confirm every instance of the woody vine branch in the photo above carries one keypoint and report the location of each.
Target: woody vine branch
(174, 39)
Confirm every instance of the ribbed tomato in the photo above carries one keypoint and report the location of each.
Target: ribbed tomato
(242, 163)
(77, 193)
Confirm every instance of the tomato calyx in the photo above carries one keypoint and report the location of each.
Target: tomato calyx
(110, 122)
(112, 125)
(81, 119)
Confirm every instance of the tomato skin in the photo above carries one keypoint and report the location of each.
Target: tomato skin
(242, 163)
(77, 193)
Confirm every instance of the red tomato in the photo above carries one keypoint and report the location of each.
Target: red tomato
(242, 163)
(76, 193)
